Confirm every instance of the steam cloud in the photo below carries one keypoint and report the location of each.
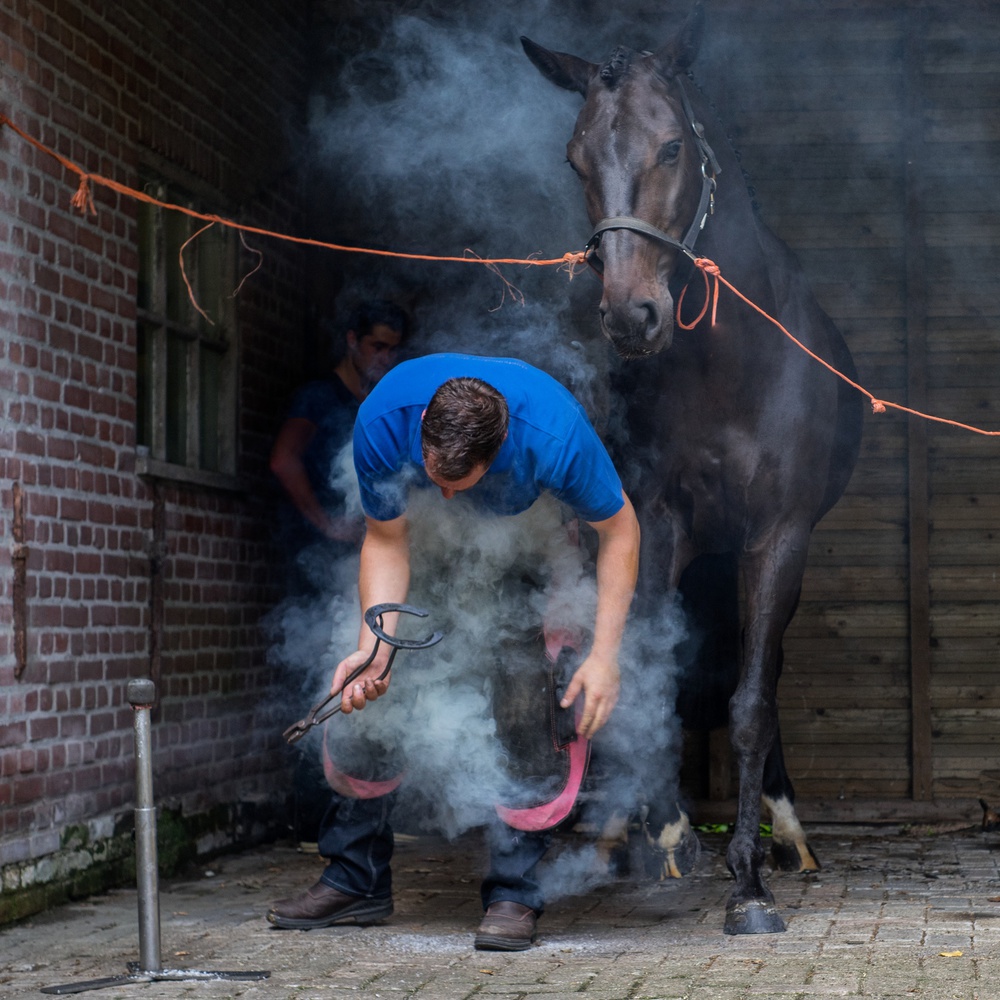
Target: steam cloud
(438, 136)
(437, 717)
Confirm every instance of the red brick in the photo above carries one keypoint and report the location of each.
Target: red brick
(72, 726)
(30, 444)
(44, 728)
(47, 278)
(28, 789)
(72, 509)
(75, 616)
(58, 785)
(87, 778)
(68, 290)
(13, 734)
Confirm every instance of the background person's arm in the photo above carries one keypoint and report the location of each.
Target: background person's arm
(286, 463)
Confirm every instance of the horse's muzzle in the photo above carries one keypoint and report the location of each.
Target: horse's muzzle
(637, 328)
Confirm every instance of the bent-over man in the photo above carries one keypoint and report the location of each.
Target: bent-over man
(501, 433)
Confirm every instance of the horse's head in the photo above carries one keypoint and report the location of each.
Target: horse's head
(641, 159)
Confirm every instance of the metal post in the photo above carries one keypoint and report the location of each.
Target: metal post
(142, 696)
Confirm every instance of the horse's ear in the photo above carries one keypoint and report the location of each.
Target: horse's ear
(566, 71)
(680, 52)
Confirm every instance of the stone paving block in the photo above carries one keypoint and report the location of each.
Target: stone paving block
(828, 980)
(712, 993)
(870, 925)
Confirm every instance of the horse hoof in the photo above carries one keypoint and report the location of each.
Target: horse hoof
(753, 917)
(794, 857)
(682, 858)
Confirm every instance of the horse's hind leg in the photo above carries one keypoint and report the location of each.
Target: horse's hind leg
(658, 841)
(674, 843)
(789, 847)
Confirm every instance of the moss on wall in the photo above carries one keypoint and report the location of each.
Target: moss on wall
(90, 862)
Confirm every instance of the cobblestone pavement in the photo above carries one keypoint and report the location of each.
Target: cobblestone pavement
(896, 914)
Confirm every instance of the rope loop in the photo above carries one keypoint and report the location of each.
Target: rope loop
(707, 267)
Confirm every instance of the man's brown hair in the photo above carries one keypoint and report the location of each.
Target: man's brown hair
(464, 425)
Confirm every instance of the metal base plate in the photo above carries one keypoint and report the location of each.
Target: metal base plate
(137, 975)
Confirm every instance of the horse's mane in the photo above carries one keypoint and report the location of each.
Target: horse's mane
(747, 179)
(617, 66)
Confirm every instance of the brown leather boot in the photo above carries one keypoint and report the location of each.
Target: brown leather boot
(507, 926)
(322, 906)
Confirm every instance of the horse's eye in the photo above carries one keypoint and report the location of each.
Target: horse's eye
(669, 151)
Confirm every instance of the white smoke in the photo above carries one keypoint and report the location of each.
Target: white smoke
(435, 136)
(437, 713)
(437, 716)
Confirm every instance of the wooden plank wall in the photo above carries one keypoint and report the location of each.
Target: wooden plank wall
(872, 136)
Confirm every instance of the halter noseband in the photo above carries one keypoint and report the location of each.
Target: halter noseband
(709, 170)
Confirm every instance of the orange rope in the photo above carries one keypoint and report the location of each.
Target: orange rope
(254, 270)
(83, 200)
(708, 267)
(187, 283)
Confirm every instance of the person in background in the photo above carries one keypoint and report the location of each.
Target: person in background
(501, 433)
(314, 529)
(321, 419)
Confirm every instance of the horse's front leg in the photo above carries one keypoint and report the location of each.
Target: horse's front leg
(772, 574)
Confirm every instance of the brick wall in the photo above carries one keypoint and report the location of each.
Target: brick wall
(122, 575)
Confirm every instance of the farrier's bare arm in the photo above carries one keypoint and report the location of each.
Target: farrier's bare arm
(384, 578)
(598, 677)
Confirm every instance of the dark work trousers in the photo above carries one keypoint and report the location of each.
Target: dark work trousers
(513, 857)
(356, 838)
(355, 835)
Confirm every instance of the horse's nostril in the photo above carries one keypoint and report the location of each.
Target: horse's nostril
(633, 325)
(649, 314)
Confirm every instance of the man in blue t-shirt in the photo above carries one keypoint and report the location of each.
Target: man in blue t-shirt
(501, 433)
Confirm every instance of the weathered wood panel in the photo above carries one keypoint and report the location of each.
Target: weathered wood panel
(870, 134)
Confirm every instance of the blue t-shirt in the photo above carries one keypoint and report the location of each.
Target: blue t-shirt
(550, 446)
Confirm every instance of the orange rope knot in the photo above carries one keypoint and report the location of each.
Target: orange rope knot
(83, 200)
(877, 405)
(571, 260)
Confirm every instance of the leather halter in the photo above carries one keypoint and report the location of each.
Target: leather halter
(709, 170)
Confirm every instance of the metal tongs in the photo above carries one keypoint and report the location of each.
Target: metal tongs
(373, 619)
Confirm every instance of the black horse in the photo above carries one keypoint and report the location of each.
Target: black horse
(742, 441)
